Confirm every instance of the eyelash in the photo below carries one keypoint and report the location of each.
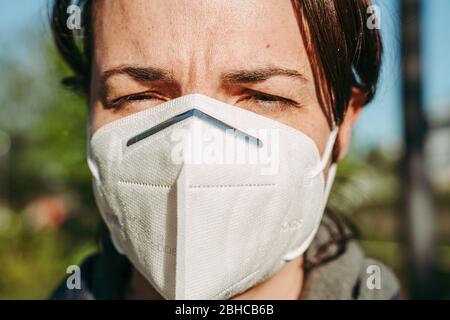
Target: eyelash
(271, 102)
(267, 100)
(120, 102)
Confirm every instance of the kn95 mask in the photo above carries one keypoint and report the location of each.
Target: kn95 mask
(207, 199)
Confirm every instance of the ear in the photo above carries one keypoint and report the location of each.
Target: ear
(355, 106)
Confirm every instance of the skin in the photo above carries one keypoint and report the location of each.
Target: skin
(246, 53)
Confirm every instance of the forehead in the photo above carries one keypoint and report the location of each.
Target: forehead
(213, 32)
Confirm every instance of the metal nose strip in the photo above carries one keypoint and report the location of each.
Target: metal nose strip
(192, 113)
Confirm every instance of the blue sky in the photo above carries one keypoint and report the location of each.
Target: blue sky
(380, 123)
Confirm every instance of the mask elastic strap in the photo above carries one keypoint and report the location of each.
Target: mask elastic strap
(327, 152)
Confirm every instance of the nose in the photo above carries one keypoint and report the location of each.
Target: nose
(209, 89)
(202, 83)
(200, 75)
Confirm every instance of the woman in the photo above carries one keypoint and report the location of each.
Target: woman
(172, 82)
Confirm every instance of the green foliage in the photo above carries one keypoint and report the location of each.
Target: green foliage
(47, 128)
(33, 263)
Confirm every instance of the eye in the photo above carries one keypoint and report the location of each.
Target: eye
(120, 102)
(268, 101)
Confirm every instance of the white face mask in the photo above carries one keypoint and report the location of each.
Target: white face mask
(203, 211)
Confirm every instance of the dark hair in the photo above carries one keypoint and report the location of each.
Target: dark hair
(343, 52)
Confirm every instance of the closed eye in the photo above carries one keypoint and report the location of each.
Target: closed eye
(268, 101)
(120, 102)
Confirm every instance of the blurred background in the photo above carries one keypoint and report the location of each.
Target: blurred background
(394, 185)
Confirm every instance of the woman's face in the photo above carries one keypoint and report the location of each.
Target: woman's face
(246, 53)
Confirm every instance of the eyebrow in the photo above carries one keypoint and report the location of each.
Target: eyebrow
(259, 75)
(140, 73)
(148, 74)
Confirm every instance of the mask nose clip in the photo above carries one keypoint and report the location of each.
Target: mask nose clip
(185, 115)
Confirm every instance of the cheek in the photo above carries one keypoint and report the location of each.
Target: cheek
(309, 120)
(98, 117)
